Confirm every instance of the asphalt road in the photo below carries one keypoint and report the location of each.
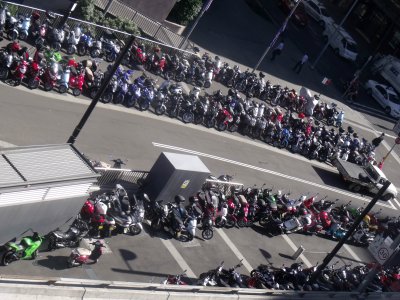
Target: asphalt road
(34, 118)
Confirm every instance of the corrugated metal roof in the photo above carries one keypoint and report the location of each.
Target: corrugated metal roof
(41, 164)
(8, 174)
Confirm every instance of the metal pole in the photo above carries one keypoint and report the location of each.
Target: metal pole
(390, 151)
(100, 92)
(203, 10)
(71, 8)
(276, 36)
(357, 222)
(332, 35)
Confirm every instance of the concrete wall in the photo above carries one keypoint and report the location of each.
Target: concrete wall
(42, 217)
(155, 9)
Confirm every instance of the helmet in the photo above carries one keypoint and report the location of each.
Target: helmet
(179, 199)
(367, 219)
(350, 129)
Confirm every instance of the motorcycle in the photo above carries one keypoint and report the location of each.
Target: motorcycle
(71, 238)
(82, 256)
(27, 248)
(175, 279)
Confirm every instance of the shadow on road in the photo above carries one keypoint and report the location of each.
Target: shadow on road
(330, 178)
(53, 262)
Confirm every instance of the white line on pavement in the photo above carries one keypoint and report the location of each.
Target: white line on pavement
(294, 248)
(353, 254)
(234, 249)
(397, 202)
(390, 202)
(178, 257)
(269, 172)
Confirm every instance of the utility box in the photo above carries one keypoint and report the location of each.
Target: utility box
(175, 174)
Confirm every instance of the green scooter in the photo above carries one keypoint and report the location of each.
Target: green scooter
(27, 248)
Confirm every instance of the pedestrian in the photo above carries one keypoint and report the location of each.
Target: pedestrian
(278, 50)
(377, 141)
(300, 63)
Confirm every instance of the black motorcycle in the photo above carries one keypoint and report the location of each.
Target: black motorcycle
(71, 238)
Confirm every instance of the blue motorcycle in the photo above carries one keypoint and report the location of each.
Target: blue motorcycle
(285, 138)
(146, 98)
(132, 95)
(85, 43)
(122, 90)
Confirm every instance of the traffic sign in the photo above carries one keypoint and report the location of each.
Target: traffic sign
(381, 249)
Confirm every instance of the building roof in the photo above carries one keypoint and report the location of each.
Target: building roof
(34, 165)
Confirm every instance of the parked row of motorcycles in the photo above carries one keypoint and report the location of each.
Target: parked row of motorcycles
(295, 277)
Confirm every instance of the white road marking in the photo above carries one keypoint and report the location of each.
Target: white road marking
(269, 172)
(294, 248)
(397, 202)
(178, 257)
(353, 254)
(390, 202)
(234, 249)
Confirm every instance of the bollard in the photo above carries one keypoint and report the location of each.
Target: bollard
(298, 252)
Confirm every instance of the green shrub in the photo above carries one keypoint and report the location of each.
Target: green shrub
(185, 11)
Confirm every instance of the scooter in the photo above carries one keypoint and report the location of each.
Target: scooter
(82, 256)
(175, 279)
(27, 248)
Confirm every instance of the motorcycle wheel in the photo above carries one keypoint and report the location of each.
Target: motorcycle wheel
(22, 36)
(76, 92)
(93, 93)
(330, 122)
(187, 118)
(135, 229)
(47, 86)
(241, 223)
(207, 234)
(160, 110)
(222, 126)
(70, 50)
(94, 53)
(230, 223)
(210, 123)
(57, 46)
(35, 254)
(52, 244)
(107, 97)
(219, 222)
(81, 50)
(110, 57)
(263, 221)
(198, 119)
(179, 77)
(207, 84)
(7, 258)
(62, 89)
(119, 99)
(33, 84)
(233, 128)
(130, 101)
(3, 73)
(144, 105)
(13, 36)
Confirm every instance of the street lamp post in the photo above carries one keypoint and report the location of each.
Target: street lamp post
(397, 141)
(101, 91)
(71, 8)
(276, 37)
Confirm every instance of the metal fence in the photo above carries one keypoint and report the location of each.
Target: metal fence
(97, 30)
(225, 187)
(130, 179)
(149, 26)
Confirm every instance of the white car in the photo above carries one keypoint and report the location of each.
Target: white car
(385, 96)
(317, 11)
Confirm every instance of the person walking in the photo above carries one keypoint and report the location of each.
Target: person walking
(300, 63)
(377, 141)
(278, 50)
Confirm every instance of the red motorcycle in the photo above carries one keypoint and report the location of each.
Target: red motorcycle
(77, 80)
(237, 213)
(224, 118)
(50, 77)
(33, 75)
(82, 256)
(175, 279)
(17, 71)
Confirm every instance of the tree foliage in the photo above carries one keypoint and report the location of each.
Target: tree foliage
(88, 11)
(185, 11)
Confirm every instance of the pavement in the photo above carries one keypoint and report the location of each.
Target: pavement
(34, 117)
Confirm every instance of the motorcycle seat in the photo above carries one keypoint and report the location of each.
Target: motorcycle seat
(83, 251)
